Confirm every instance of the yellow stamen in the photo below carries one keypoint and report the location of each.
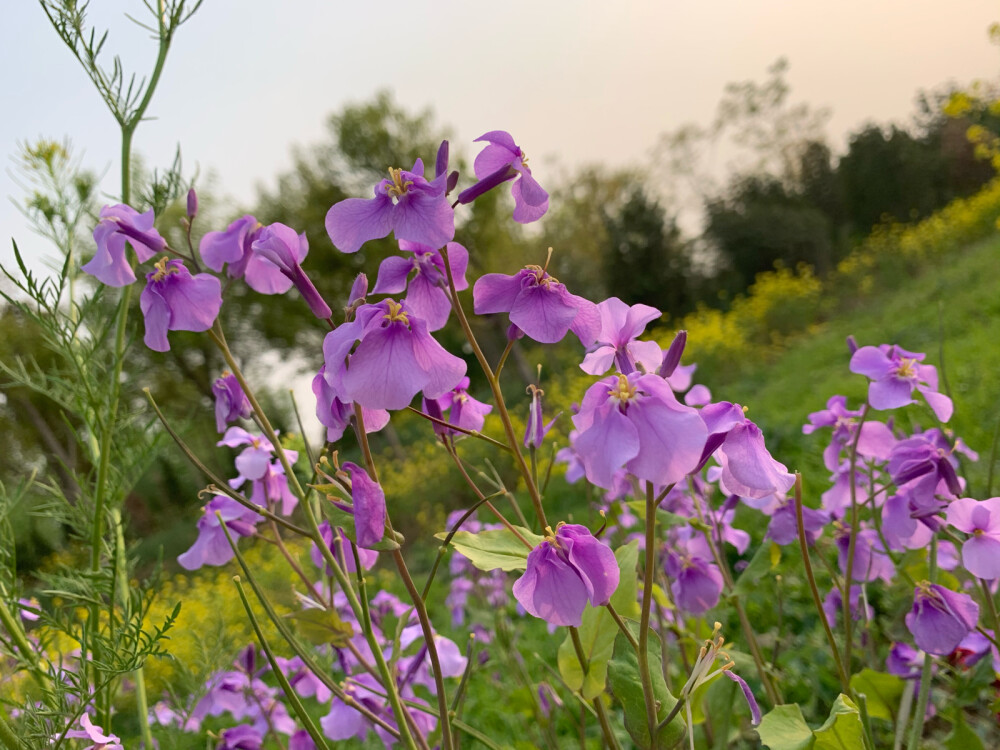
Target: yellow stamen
(398, 186)
(396, 312)
(623, 391)
(541, 275)
(161, 269)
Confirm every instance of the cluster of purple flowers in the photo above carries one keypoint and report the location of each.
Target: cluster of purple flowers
(642, 430)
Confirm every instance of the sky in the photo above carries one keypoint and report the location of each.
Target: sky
(576, 82)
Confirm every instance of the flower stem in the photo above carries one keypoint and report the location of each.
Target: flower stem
(498, 399)
(388, 680)
(647, 605)
(845, 683)
(845, 593)
(415, 597)
(920, 708)
(290, 693)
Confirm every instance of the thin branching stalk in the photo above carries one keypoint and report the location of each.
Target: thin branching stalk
(920, 708)
(845, 594)
(512, 441)
(647, 604)
(845, 683)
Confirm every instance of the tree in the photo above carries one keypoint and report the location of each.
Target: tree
(646, 258)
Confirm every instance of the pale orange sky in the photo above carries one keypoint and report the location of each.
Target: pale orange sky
(579, 81)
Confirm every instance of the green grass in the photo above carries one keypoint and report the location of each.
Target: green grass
(951, 306)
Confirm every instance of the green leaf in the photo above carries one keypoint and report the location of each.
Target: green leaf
(598, 630)
(623, 673)
(961, 737)
(320, 626)
(783, 728)
(843, 729)
(496, 548)
(882, 690)
(760, 564)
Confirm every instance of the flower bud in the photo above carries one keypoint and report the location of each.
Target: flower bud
(358, 290)
(192, 203)
(672, 357)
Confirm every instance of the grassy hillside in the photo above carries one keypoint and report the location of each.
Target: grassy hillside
(952, 305)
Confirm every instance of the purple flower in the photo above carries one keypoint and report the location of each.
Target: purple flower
(427, 292)
(901, 529)
(406, 203)
(211, 547)
(303, 680)
(940, 618)
(231, 402)
(281, 246)
(784, 529)
(174, 300)
(870, 558)
(748, 470)
(565, 571)
(120, 224)
(241, 737)
(616, 344)
(535, 428)
(336, 415)
(463, 410)
(369, 506)
(833, 604)
(538, 305)
(981, 519)
(95, 734)
(301, 740)
(254, 460)
(696, 582)
(396, 359)
(503, 160)
(341, 547)
(233, 246)
(636, 421)
(895, 373)
(923, 467)
(904, 661)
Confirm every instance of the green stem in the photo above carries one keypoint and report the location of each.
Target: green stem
(290, 694)
(415, 597)
(920, 708)
(647, 605)
(845, 594)
(715, 545)
(508, 427)
(602, 716)
(7, 736)
(388, 679)
(622, 626)
(845, 683)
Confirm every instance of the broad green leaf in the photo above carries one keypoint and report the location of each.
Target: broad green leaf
(783, 728)
(623, 674)
(843, 729)
(321, 626)
(961, 737)
(496, 548)
(883, 692)
(598, 630)
(760, 564)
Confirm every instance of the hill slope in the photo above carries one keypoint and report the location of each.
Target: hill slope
(951, 305)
